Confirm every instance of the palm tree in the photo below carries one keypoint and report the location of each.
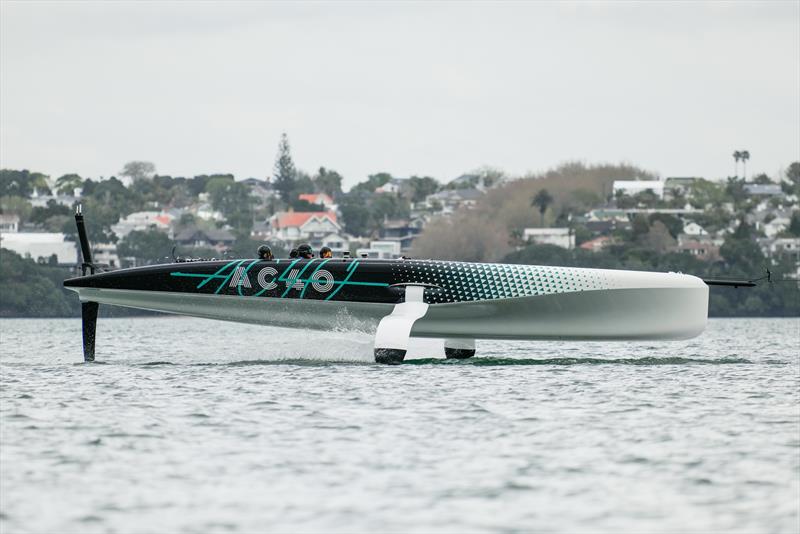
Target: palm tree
(737, 156)
(542, 200)
(745, 155)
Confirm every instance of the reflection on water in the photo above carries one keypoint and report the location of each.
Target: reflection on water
(191, 425)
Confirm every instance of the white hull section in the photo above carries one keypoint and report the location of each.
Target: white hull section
(645, 306)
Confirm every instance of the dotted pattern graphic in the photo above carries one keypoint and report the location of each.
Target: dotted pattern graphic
(462, 282)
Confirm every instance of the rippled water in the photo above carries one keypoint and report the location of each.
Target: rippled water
(198, 426)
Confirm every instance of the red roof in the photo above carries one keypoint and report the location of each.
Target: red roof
(316, 198)
(299, 218)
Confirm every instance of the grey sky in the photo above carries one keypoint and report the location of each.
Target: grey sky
(408, 88)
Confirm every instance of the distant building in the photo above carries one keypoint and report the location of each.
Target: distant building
(41, 246)
(141, 221)
(694, 229)
(701, 249)
(403, 231)
(450, 200)
(395, 186)
(260, 189)
(218, 239)
(9, 223)
(781, 248)
(634, 187)
(766, 190)
(775, 226)
(321, 199)
(560, 237)
(597, 244)
(105, 253)
(679, 186)
(317, 228)
(384, 250)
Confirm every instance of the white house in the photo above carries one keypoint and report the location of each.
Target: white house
(317, 228)
(9, 223)
(143, 220)
(694, 229)
(560, 237)
(633, 187)
(776, 226)
(42, 245)
(385, 250)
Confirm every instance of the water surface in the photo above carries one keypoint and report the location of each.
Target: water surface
(197, 426)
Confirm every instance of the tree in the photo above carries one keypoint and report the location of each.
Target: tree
(421, 187)
(66, 184)
(542, 201)
(233, 199)
(146, 246)
(745, 155)
(22, 183)
(328, 182)
(356, 216)
(793, 173)
(462, 237)
(736, 156)
(373, 182)
(284, 171)
(138, 170)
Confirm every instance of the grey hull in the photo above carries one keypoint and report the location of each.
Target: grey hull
(610, 314)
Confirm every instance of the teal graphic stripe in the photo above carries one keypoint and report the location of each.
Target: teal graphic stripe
(293, 281)
(244, 274)
(208, 277)
(312, 276)
(351, 269)
(233, 270)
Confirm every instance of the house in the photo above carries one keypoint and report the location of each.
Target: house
(40, 246)
(607, 214)
(403, 231)
(703, 250)
(384, 250)
(606, 226)
(321, 199)
(781, 248)
(560, 237)
(143, 220)
(259, 189)
(775, 226)
(205, 211)
(694, 229)
(105, 253)
(679, 186)
(218, 239)
(395, 186)
(450, 200)
(634, 187)
(9, 223)
(317, 228)
(766, 190)
(597, 244)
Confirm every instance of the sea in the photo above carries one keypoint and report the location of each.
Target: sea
(191, 426)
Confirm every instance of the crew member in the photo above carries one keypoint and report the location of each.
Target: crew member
(305, 251)
(265, 253)
(325, 252)
(293, 253)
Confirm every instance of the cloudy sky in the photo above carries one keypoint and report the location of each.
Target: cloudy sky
(408, 88)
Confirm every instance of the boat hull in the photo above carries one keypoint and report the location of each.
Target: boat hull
(636, 313)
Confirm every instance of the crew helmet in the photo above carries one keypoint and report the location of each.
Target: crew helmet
(264, 252)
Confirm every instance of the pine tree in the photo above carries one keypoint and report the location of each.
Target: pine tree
(284, 172)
